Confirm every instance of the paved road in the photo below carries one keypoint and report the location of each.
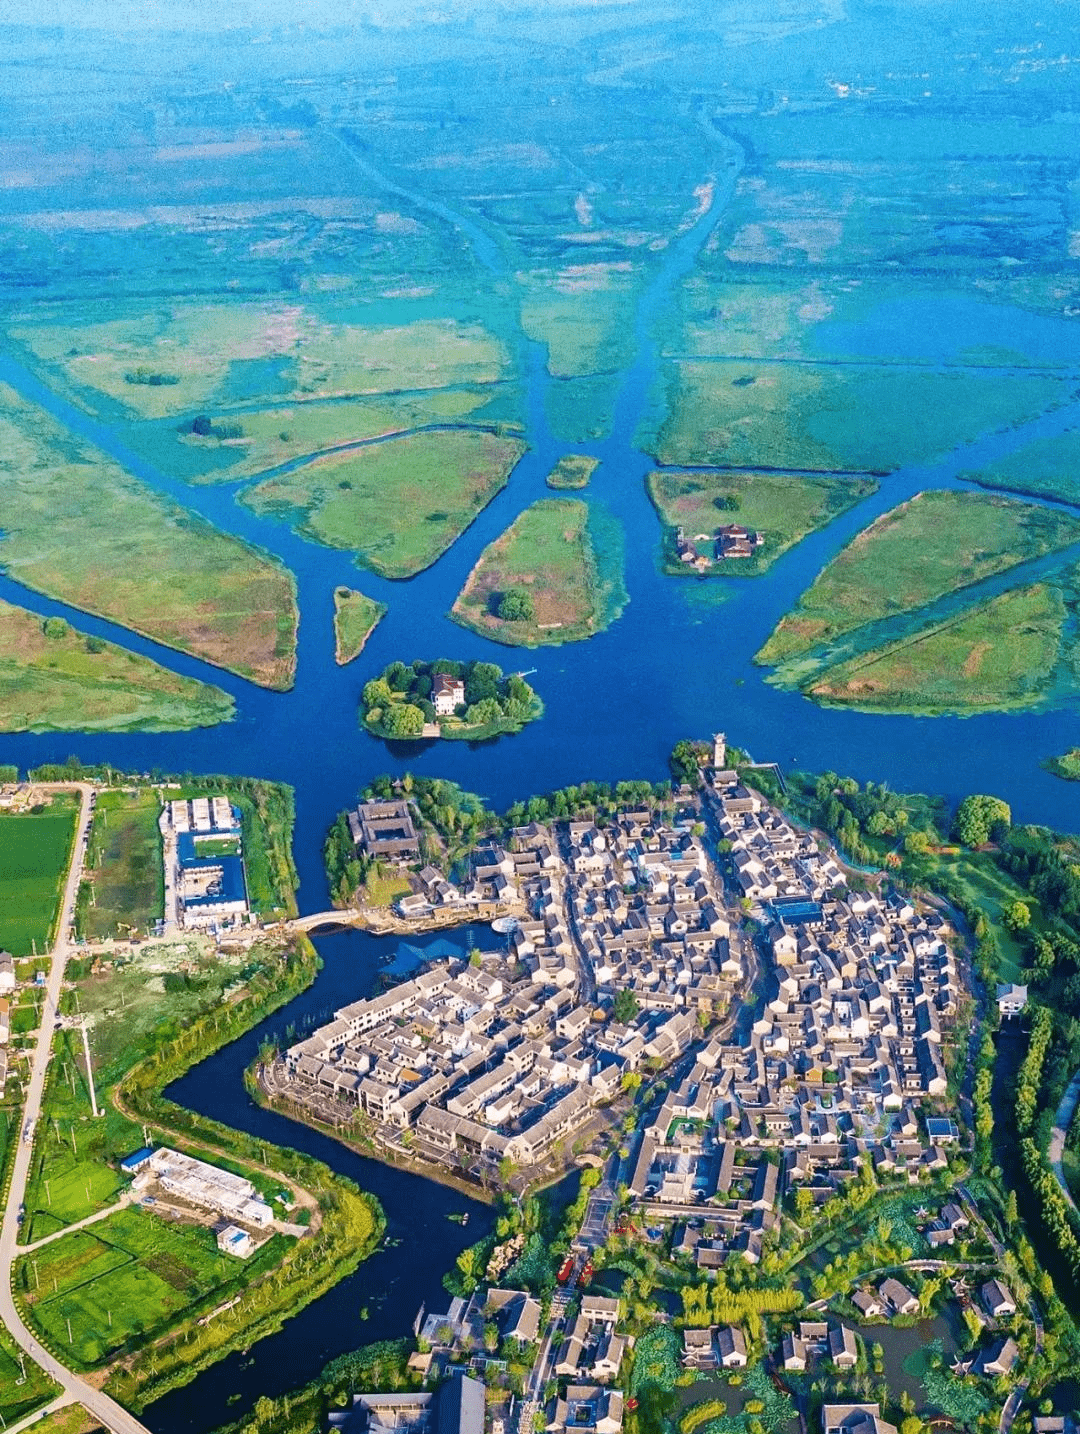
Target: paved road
(125, 1199)
(105, 1410)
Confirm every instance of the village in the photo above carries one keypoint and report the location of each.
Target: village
(784, 1035)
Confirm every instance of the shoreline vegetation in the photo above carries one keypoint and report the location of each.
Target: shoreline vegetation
(1067, 766)
(554, 575)
(355, 619)
(781, 508)
(462, 701)
(56, 678)
(398, 505)
(80, 528)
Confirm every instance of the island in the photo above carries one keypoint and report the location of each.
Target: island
(573, 470)
(554, 576)
(466, 701)
(355, 619)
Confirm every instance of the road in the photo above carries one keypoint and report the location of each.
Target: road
(1056, 1148)
(105, 1410)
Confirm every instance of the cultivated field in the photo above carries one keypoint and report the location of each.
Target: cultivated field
(355, 619)
(35, 848)
(934, 544)
(398, 504)
(782, 508)
(552, 553)
(55, 679)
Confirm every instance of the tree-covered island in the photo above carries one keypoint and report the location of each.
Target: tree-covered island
(470, 700)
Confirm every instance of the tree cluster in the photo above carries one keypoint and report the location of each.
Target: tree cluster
(398, 702)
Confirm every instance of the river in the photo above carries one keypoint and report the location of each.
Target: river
(677, 663)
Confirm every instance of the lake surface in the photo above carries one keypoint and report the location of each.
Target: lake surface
(678, 663)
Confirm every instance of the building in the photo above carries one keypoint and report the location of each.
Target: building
(447, 694)
(456, 1408)
(385, 829)
(897, 1298)
(232, 1240)
(1011, 999)
(206, 1186)
(205, 880)
(7, 971)
(854, 1419)
(997, 1299)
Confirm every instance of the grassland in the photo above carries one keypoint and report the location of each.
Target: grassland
(998, 656)
(175, 358)
(806, 416)
(355, 619)
(1047, 468)
(398, 504)
(64, 681)
(79, 528)
(583, 313)
(273, 436)
(71, 1419)
(1067, 766)
(782, 508)
(127, 1279)
(552, 552)
(573, 470)
(35, 849)
(123, 868)
(934, 544)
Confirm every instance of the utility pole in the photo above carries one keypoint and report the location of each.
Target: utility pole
(89, 1071)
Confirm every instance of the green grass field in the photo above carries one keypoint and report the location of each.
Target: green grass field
(573, 470)
(355, 619)
(80, 528)
(35, 848)
(808, 416)
(548, 551)
(124, 867)
(1047, 468)
(934, 544)
(398, 504)
(782, 509)
(67, 682)
(997, 656)
(125, 1278)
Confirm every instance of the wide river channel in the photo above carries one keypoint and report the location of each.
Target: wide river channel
(677, 663)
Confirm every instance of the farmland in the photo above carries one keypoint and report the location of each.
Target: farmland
(934, 544)
(567, 561)
(80, 528)
(399, 505)
(35, 848)
(56, 679)
(126, 1278)
(355, 619)
(782, 508)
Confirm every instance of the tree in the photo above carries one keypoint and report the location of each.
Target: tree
(626, 1006)
(916, 843)
(1017, 917)
(979, 818)
(376, 692)
(515, 605)
(401, 719)
(55, 627)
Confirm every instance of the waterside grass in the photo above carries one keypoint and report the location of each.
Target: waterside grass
(355, 619)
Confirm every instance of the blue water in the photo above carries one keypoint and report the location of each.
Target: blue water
(677, 663)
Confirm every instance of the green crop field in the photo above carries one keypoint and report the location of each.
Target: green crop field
(550, 553)
(34, 851)
(18, 1396)
(398, 504)
(124, 866)
(127, 1276)
(355, 619)
(936, 543)
(782, 508)
(55, 679)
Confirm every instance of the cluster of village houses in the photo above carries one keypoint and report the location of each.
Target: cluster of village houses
(502, 1061)
(731, 540)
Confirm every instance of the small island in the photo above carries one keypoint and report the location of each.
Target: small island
(573, 470)
(1066, 766)
(462, 700)
(355, 619)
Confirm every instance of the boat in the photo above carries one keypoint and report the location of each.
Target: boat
(565, 1270)
(504, 925)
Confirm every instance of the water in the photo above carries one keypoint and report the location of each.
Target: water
(677, 663)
